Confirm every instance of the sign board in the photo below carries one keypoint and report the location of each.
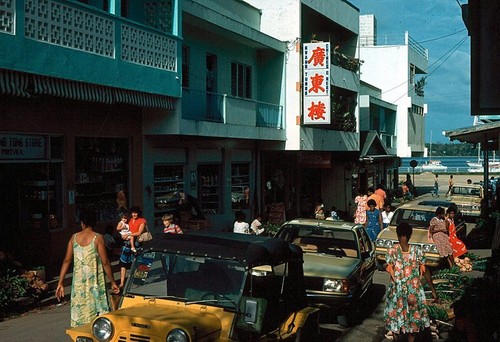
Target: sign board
(316, 83)
(276, 213)
(319, 160)
(18, 146)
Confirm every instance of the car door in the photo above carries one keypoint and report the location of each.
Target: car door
(367, 251)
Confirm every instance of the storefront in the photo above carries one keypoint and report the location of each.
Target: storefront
(58, 158)
(201, 182)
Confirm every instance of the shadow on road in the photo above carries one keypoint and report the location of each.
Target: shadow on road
(332, 331)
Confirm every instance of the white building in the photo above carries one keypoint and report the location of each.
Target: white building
(397, 66)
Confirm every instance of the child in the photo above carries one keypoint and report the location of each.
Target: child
(334, 215)
(373, 222)
(124, 230)
(387, 215)
(405, 310)
(438, 230)
(170, 227)
(240, 226)
(256, 224)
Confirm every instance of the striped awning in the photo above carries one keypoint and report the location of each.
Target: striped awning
(13, 83)
(26, 85)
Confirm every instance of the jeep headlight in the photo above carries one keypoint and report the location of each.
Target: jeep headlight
(335, 285)
(102, 329)
(177, 335)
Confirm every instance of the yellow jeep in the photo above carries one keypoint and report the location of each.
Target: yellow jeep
(211, 287)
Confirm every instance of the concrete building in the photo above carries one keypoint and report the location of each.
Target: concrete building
(397, 66)
(76, 80)
(317, 161)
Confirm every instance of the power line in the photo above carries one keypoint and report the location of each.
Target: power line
(445, 36)
(449, 53)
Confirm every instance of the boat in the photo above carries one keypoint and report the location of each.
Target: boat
(433, 165)
(480, 162)
(492, 169)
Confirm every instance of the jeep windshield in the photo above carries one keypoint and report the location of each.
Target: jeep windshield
(417, 218)
(187, 278)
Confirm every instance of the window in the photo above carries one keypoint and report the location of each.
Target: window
(241, 80)
(240, 186)
(185, 66)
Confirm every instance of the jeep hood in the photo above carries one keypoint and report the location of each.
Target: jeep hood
(154, 317)
(323, 265)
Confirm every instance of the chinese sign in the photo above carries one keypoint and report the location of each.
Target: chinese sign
(316, 89)
(17, 146)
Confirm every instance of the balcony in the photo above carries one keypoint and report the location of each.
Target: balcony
(200, 105)
(73, 41)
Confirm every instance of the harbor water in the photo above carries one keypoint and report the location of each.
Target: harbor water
(454, 164)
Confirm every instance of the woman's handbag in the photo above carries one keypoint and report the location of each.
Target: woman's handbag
(146, 235)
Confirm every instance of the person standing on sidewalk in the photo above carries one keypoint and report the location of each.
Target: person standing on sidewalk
(88, 289)
(450, 186)
(405, 310)
(436, 185)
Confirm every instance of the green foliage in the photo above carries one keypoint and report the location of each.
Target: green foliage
(12, 286)
(271, 228)
(453, 149)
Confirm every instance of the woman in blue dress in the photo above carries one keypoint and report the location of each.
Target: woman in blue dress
(373, 222)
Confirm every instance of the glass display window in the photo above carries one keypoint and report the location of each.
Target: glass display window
(209, 188)
(240, 186)
(102, 180)
(168, 190)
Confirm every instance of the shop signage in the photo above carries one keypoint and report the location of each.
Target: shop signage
(320, 160)
(316, 83)
(17, 146)
(276, 213)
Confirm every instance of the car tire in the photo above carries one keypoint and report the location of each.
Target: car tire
(381, 265)
(352, 316)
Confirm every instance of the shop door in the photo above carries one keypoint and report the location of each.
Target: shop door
(31, 206)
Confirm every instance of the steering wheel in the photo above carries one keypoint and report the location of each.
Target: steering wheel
(207, 296)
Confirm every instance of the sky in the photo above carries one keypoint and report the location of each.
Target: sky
(437, 25)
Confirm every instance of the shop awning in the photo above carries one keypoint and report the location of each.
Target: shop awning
(484, 133)
(13, 83)
(26, 85)
(373, 148)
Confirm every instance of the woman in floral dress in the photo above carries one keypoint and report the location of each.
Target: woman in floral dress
(88, 290)
(360, 214)
(405, 311)
(438, 230)
(457, 245)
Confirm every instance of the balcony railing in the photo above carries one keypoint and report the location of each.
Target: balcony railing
(201, 105)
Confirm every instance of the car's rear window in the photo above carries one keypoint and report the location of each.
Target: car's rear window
(339, 242)
(416, 218)
(459, 190)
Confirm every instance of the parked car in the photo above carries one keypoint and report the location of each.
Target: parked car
(339, 263)
(468, 198)
(211, 287)
(419, 217)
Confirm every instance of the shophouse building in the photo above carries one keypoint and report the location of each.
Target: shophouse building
(206, 155)
(317, 161)
(78, 81)
(377, 125)
(397, 65)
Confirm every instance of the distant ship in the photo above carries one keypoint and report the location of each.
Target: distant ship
(480, 169)
(434, 165)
